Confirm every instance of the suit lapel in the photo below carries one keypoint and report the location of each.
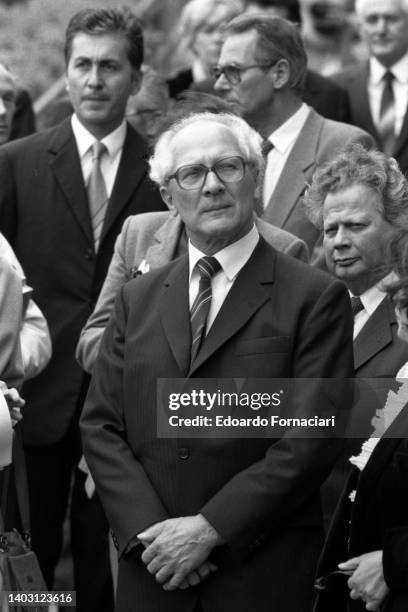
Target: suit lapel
(248, 293)
(65, 163)
(403, 135)
(375, 334)
(131, 171)
(292, 181)
(174, 312)
(165, 242)
(360, 105)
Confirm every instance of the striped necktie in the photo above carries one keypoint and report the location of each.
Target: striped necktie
(97, 194)
(207, 267)
(356, 305)
(386, 123)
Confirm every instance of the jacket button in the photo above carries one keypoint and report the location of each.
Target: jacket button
(89, 254)
(183, 453)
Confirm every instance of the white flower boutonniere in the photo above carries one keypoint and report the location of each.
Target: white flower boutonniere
(141, 269)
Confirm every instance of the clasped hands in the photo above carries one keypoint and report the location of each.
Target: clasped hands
(176, 551)
(366, 581)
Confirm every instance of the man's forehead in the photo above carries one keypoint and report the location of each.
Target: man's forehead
(203, 135)
(104, 45)
(239, 48)
(384, 7)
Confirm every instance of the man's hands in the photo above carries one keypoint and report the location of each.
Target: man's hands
(367, 581)
(176, 551)
(14, 402)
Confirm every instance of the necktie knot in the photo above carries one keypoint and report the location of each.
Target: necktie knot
(266, 147)
(388, 77)
(356, 305)
(208, 267)
(98, 149)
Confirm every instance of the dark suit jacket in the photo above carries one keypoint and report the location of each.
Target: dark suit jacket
(378, 352)
(318, 142)
(379, 521)
(324, 95)
(354, 80)
(281, 318)
(45, 216)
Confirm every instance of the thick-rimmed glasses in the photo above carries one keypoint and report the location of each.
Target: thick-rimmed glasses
(227, 170)
(233, 73)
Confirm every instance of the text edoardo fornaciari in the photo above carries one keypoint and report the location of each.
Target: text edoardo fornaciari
(273, 420)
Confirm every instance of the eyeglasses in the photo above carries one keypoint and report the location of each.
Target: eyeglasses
(233, 73)
(227, 170)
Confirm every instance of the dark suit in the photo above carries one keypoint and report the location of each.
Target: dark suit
(354, 80)
(379, 521)
(279, 319)
(319, 141)
(324, 95)
(44, 214)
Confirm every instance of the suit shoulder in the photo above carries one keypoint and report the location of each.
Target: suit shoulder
(346, 76)
(32, 143)
(145, 222)
(296, 273)
(345, 130)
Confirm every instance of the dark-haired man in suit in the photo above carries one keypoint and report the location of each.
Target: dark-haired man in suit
(65, 194)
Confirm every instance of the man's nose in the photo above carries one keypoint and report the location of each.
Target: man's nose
(222, 83)
(3, 109)
(95, 77)
(381, 25)
(341, 239)
(212, 184)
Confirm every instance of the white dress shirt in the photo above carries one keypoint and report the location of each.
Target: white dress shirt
(110, 162)
(283, 140)
(399, 86)
(232, 258)
(370, 299)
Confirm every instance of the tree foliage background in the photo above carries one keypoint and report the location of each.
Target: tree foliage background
(32, 36)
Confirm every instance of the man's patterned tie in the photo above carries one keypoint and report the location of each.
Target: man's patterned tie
(356, 305)
(207, 267)
(97, 194)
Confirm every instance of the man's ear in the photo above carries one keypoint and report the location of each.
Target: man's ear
(166, 197)
(280, 73)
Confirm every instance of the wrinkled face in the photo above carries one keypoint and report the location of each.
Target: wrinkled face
(100, 79)
(255, 91)
(384, 27)
(355, 236)
(218, 213)
(7, 104)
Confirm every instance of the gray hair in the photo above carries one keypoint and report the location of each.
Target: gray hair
(250, 142)
(197, 14)
(355, 165)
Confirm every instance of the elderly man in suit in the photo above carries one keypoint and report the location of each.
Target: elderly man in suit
(378, 88)
(65, 194)
(245, 511)
(147, 242)
(262, 69)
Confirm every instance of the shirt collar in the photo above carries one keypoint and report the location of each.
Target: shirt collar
(372, 297)
(286, 134)
(84, 139)
(232, 258)
(399, 70)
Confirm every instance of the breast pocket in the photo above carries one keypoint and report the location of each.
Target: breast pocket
(260, 346)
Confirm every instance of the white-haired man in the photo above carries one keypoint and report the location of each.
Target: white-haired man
(227, 524)
(378, 88)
